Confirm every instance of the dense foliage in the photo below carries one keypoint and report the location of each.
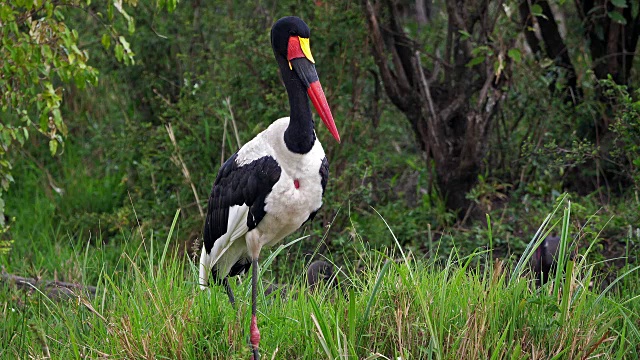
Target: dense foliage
(41, 51)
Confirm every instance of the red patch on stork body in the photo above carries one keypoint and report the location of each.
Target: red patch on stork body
(294, 50)
(296, 183)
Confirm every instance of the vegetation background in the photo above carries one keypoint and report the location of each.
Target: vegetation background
(464, 124)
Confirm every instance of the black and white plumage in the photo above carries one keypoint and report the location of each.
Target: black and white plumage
(275, 182)
(255, 198)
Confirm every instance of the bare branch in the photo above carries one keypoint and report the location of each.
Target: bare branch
(432, 120)
(402, 52)
(52, 289)
(526, 19)
(178, 161)
(389, 79)
(453, 107)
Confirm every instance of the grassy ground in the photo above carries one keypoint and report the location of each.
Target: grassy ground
(381, 305)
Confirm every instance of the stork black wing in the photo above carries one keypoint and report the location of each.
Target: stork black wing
(237, 185)
(324, 173)
(324, 178)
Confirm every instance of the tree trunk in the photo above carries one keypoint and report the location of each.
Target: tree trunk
(450, 114)
(611, 33)
(612, 40)
(554, 46)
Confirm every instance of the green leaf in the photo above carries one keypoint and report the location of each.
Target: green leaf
(599, 32)
(545, 63)
(53, 146)
(515, 54)
(57, 120)
(14, 27)
(617, 17)
(619, 3)
(480, 50)
(124, 42)
(44, 120)
(635, 7)
(536, 10)
(119, 51)
(475, 61)
(110, 11)
(169, 4)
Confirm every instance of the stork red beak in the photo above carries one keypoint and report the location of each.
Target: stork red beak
(319, 101)
(301, 60)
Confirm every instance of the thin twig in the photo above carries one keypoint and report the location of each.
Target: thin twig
(53, 289)
(135, 213)
(224, 140)
(52, 183)
(427, 92)
(425, 85)
(177, 159)
(233, 122)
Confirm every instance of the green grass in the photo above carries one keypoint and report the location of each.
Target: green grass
(385, 305)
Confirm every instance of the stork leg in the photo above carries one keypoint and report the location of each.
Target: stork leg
(254, 332)
(227, 287)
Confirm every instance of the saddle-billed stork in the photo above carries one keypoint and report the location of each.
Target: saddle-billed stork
(275, 182)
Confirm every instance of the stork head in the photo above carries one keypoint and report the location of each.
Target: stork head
(290, 42)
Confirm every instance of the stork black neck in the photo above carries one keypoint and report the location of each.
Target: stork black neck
(300, 135)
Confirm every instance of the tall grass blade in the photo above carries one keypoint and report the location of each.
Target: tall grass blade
(352, 317)
(566, 291)
(374, 292)
(498, 349)
(435, 336)
(265, 264)
(166, 245)
(562, 252)
(395, 239)
(323, 331)
(613, 283)
(537, 239)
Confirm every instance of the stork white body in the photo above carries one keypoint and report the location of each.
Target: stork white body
(286, 206)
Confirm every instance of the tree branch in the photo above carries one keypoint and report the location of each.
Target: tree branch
(555, 46)
(56, 290)
(389, 78)
(526, 19)
(432, 120)
(403, 52)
